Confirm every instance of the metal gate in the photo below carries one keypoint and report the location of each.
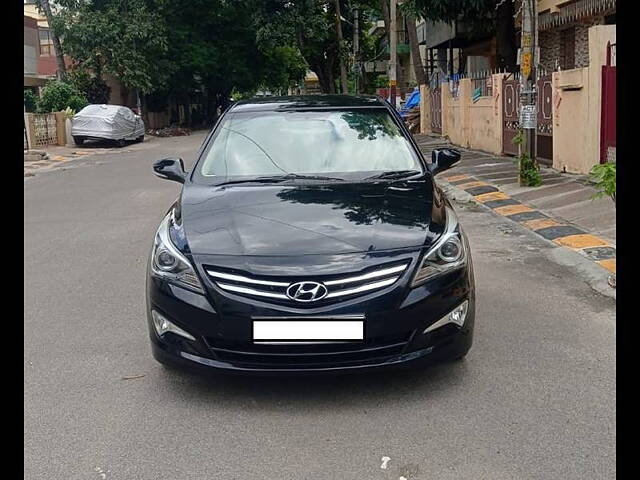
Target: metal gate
(608, 110)
(544, 137)
(435, 111)
(511, 114)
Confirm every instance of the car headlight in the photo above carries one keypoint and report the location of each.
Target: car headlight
(168, 263)
(449, 252)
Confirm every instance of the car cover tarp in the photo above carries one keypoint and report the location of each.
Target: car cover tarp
(412, 101)
(113, 122)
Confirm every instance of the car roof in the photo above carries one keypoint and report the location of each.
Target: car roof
(102, 110)
(305, 102)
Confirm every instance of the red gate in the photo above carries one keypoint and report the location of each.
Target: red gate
(544, 132)
(510, 113)
(608, 108)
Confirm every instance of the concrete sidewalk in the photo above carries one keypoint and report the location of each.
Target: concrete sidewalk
(56, 156)
(560, 210)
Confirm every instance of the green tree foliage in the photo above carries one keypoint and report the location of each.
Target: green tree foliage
(57, 96)
(214, 50)
(126, 38)
(309, 25)
(92, 86)
(201, 51)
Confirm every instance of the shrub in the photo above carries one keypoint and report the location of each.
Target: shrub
(529, 170)
(604, 177)
(29, 100)
(57, 96)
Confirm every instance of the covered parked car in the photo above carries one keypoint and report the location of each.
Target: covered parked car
(107, 122)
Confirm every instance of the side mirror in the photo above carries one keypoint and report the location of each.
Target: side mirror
(171, 169)
(443, 159)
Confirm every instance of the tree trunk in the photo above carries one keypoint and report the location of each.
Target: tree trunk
(387, 18)
(62, 71)
(211, 106)
(325, 78)
(412, 33)
(343, 68)
(506, 48)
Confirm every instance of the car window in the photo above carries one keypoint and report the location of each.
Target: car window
(309, 142)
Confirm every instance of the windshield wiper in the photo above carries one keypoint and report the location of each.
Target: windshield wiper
(296, 176)
(279, 178)
(393, 174)
(251, 180)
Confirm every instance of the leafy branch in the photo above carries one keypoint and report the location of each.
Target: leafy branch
(604, 177)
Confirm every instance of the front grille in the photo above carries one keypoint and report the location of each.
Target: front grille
(308, 355)
(335, 287)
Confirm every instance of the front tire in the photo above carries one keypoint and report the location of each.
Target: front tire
(78, 140)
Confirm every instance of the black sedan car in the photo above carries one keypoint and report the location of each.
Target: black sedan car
(310, 236)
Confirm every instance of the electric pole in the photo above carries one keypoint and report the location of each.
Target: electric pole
(356, 48)
(528, 62)
(393, 40)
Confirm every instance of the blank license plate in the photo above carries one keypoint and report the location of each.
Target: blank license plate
(294, 330)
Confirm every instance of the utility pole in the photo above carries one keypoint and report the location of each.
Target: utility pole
(528, 62)
(393, 52)
(356, 50)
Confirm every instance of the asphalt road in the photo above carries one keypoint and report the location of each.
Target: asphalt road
(534, 399)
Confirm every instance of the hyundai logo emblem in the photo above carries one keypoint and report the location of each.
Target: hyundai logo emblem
(306, 291)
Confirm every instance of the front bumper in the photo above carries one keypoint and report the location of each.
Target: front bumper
(394, 331)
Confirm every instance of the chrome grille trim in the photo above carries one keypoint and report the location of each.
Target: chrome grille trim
(240, 278)
(275, 288)
(251, 291)
(363, 288)
(366, 276)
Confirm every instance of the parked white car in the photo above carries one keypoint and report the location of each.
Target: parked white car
(107, 122)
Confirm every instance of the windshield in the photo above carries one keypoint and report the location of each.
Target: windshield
(336, 143)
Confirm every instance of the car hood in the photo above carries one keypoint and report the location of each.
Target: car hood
(286, 220)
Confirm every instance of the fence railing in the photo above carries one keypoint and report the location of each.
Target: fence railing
(481, 84)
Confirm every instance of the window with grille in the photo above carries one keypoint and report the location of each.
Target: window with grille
(568, 43)
(46, 42)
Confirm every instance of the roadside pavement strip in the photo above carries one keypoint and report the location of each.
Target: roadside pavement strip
(561, 233)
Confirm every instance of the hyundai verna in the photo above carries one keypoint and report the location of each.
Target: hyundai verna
(309, 236)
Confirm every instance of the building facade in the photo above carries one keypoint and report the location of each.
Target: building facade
(563, 30)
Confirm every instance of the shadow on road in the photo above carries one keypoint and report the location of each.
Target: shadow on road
(326, 391)
(91, 144)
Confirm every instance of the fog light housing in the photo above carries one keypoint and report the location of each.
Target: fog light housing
(163, 325)
(456, 316)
